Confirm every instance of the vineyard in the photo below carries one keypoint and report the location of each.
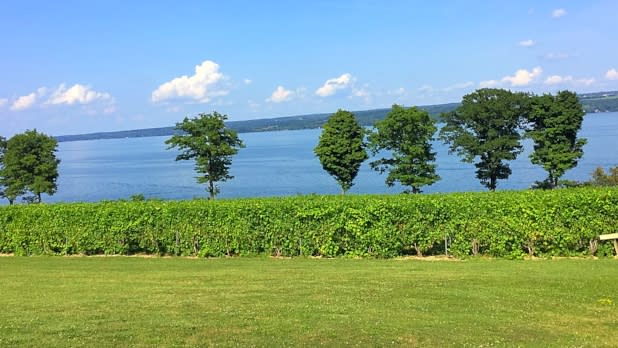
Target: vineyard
(564, 222)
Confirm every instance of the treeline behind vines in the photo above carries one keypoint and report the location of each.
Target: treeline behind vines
(487, 130)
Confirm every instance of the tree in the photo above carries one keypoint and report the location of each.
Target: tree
(554, 123)
(486, 128)
(341, 148)
(600, 178)
(2, 150)
(406, 133)
(206, 140)
(30, 164)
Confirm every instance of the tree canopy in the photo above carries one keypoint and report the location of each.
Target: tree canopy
(405, 134)
(554, 124)
(600, 178)
(211, 144)
(2, 150)
(29, 165)
(484, 130)
(341, 148)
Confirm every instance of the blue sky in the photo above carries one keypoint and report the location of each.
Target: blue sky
(71, 67)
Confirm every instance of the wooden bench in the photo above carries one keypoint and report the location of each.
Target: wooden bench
(613, 237)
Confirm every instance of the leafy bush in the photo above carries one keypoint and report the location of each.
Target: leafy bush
(501, 224)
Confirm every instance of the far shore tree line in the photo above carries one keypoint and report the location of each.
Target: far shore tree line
(487, 130)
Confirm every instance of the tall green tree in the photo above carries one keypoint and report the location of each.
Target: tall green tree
(30, 165)
(405, 134)
(554, 122)
(206, 140)
(2, 149)
(341, 148)
(484, 130)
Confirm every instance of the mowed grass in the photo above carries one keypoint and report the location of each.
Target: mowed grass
(131, 301)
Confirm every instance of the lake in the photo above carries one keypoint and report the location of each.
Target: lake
(281, 163)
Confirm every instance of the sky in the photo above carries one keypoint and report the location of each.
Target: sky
(72, 67)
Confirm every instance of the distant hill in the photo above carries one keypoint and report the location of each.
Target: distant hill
(592, 102)
(599, 101)
(365, 118)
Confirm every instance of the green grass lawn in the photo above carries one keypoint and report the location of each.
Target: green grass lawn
(127, 301)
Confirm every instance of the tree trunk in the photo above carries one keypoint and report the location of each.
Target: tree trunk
(475, 247)
(555, 183)
(418, 250)
(594, 244)
(211, 189)
(38, 197)
(492, 183)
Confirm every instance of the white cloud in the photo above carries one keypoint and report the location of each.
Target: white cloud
(459, 86)
(3, 101)
(61, 95)
(521, 78)
(584, 82)
(77, 94)
(361, 93)
(556, 56)
(202, 86)
(253, 105)
(280, 95)
(425, 89)
(611, 74)
(247, 81)
(559, 12)
(398, 91)
(527, 43)
(24, 102)
(331, 86)
(557, 79)
(174, 108)
(488, 83)
(561, 80)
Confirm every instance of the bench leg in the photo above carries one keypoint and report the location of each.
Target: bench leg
(616, 246)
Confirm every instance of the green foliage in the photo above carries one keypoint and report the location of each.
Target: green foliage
(600, 178)
(341, 148)
(206, 140)
(554, 124)
(2, 150)
(137, 197)
(502, 224)
(405, 133)
(485, 130)
(29, 165)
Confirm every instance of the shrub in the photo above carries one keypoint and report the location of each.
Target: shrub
(502, 224)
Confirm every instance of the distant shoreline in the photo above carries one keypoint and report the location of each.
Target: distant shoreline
(593, 103)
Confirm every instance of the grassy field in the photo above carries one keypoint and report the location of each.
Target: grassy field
(129, 301)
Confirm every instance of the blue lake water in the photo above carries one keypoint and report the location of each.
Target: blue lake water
(281, 163)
